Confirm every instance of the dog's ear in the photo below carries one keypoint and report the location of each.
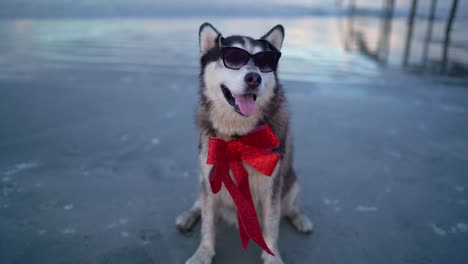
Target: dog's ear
(275, 36)
(208, 36)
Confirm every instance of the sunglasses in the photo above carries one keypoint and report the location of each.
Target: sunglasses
(236, 58)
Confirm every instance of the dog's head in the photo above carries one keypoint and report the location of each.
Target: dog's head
(239, 72)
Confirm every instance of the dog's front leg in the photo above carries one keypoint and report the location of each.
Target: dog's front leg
(271, 211)
(206, 249)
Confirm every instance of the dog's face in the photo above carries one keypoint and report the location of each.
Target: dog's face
(238, 72)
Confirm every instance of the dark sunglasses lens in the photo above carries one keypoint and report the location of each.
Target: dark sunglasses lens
(235, 58)
(266, 61)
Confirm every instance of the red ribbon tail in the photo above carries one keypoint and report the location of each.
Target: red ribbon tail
(243, 234)
(247, 216)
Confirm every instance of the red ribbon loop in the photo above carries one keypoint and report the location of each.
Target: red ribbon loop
(254, 149)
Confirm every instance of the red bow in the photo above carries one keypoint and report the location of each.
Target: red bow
(253, 149)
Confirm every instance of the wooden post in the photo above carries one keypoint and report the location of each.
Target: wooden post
(448, 29)
(384, 41)
(409, 33)
(428, 39)
(350, 35)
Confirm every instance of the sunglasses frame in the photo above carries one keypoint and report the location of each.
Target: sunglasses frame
(272, 48)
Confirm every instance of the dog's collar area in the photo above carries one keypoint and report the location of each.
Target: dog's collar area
(231, 100)
(234, 137)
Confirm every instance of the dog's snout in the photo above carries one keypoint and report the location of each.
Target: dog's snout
(253, 80)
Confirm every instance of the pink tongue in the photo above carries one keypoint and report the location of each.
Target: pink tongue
(246, 104)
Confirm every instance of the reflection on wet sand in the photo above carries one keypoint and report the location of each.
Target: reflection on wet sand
(34, 48)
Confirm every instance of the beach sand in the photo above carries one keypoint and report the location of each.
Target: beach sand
(98, 147)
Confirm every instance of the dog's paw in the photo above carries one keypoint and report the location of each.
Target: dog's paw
(302, 223)
(269, 259)
(203, 255)
(186, 220)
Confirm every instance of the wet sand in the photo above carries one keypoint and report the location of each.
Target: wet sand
(98, 150)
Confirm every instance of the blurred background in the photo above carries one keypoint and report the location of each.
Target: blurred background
(98, 146)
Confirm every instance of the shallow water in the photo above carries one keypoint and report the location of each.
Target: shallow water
(313, 49)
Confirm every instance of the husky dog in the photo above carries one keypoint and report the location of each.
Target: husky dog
(239, 91)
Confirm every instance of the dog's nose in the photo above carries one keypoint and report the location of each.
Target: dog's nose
(253, 80)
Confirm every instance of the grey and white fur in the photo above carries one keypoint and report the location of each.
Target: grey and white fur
(274, 196)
